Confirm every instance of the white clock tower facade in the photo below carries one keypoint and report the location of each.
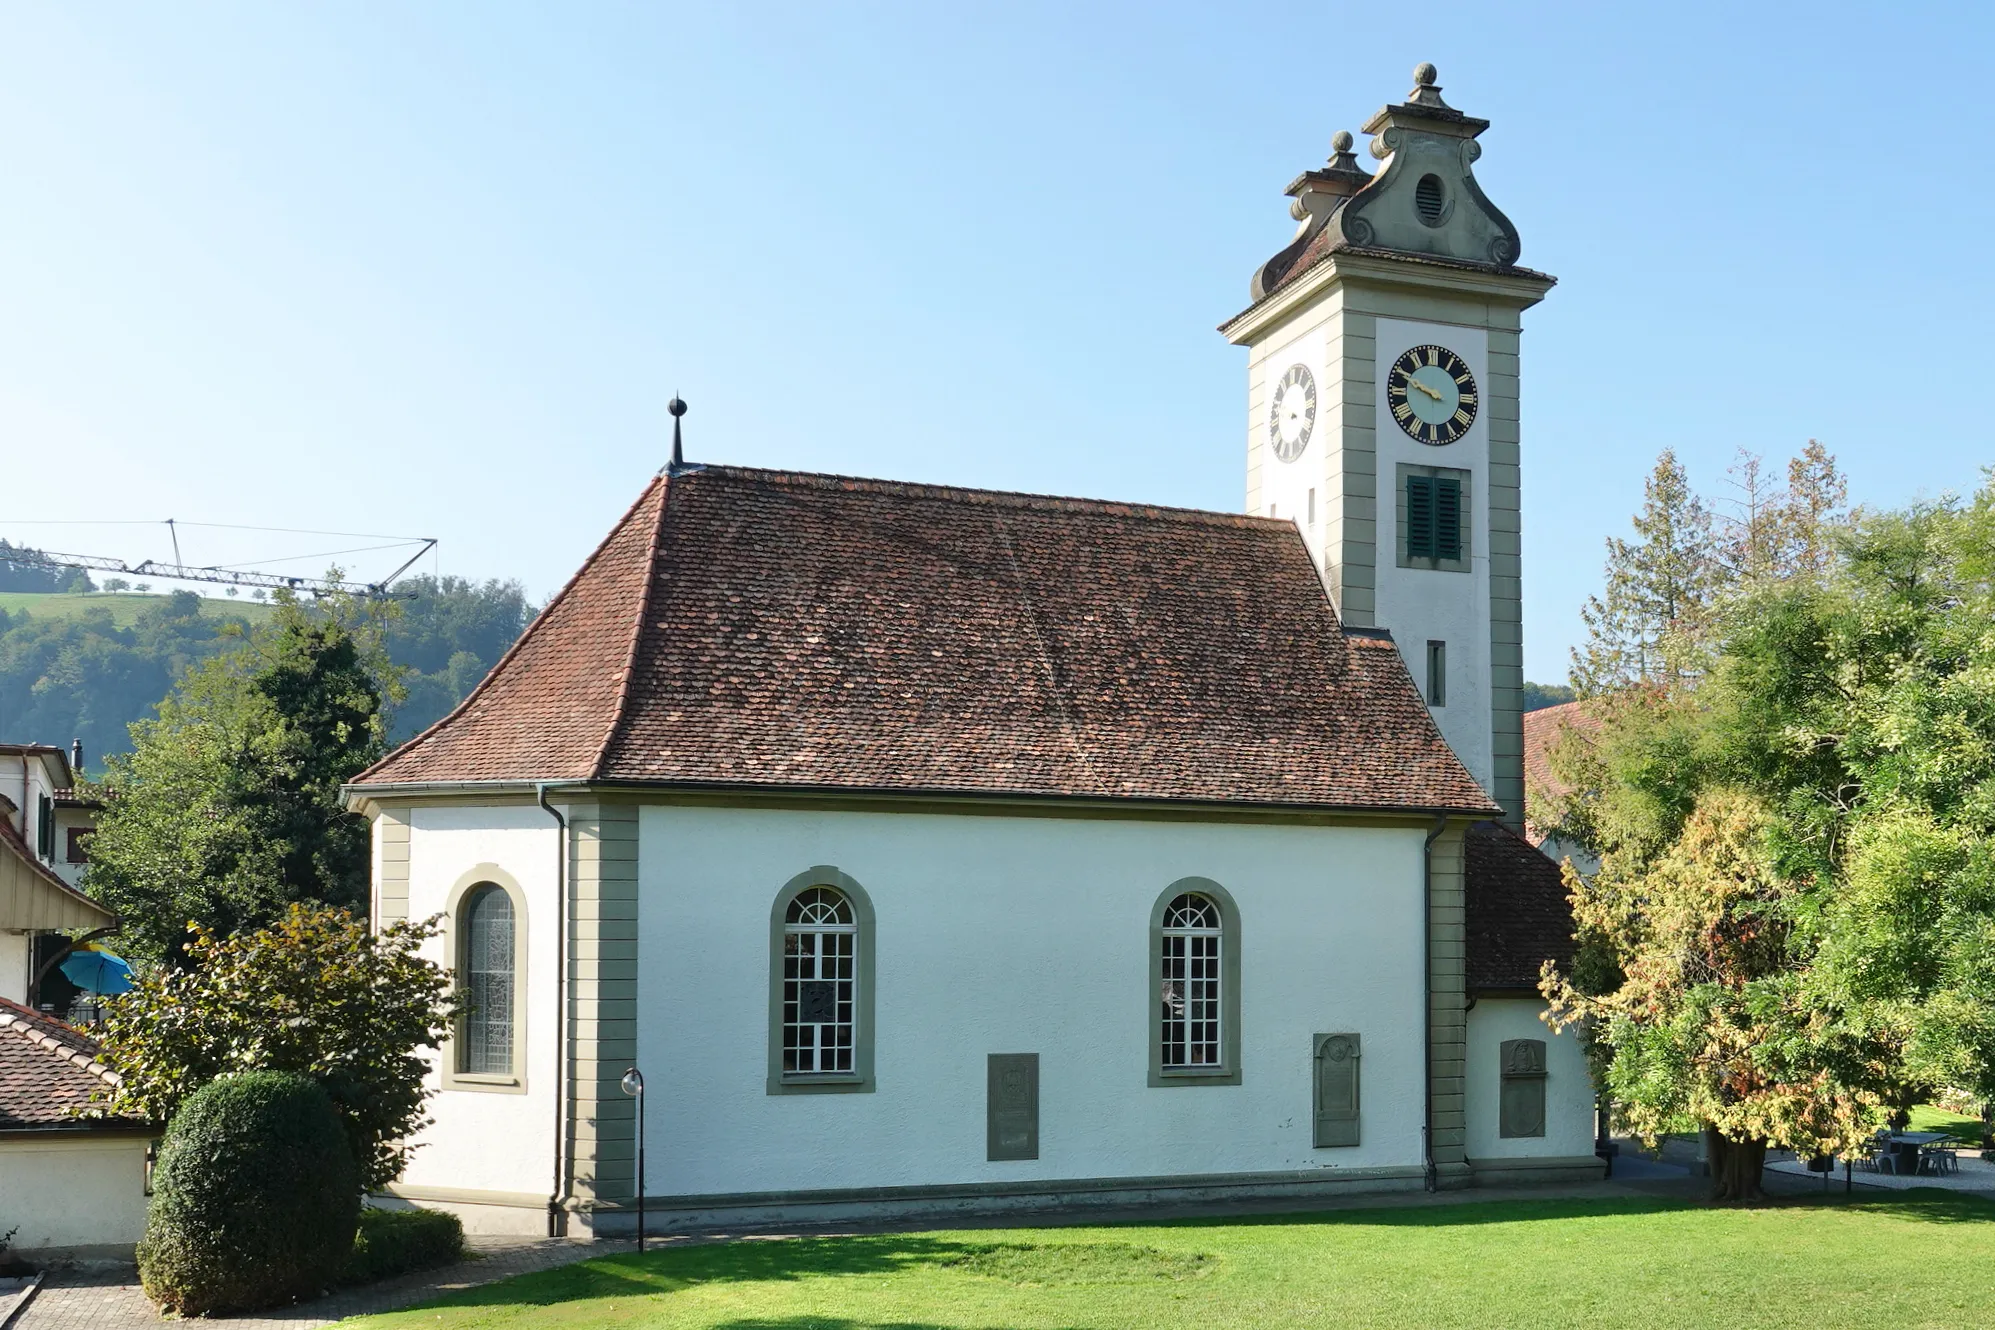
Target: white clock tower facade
(1382, 413)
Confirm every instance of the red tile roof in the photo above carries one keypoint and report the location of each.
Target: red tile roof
(1518, 914)
(768, 629)
(1542, 729)
(46, 1069)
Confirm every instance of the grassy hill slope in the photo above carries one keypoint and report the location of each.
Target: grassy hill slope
(124, 606)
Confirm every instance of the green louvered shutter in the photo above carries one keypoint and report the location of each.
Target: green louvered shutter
(1420, 517)
(1447, 518)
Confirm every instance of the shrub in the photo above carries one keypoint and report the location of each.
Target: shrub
(394, 1242)
(254, 1200)
(317, 993)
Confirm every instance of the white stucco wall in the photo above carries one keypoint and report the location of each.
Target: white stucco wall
(83, 1192)
(66, 820)
(1020, 935)
(1568, 1085)
(16, 949)
(488, 1140)
(1421, 605)
(1283, 489)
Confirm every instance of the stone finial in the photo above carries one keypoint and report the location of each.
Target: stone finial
(1426, 92)
(1341, 158)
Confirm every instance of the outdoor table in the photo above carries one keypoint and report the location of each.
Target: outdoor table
(1906, 1146)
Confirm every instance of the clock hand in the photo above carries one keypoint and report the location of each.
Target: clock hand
(1424, 388)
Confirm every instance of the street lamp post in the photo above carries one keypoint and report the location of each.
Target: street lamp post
(633, 1085)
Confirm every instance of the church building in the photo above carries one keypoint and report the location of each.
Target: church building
(935, 850)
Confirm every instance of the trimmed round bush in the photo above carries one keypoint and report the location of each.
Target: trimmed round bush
(254, 1200)
(394, 1242)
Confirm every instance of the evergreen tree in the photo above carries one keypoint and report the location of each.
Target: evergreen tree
(1643, 627)
(227, 810)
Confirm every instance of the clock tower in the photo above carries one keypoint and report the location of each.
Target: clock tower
(1382, 412)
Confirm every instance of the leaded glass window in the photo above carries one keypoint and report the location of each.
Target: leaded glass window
(488, 962)
(1191, 993)
(820, 983)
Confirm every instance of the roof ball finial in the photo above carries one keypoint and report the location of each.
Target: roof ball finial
(1424, 74)
(677, 406)
(1341, 141)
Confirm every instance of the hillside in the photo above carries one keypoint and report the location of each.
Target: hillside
(85, 665)
(125, 607)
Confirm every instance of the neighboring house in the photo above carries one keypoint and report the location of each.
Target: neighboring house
(933, 849)
(1544, 730)
(70, 1186)
(40, 868)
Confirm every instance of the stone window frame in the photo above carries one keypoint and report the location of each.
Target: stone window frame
(1228, 1072)
(487, 875)
(1404, 470)
(860, 1079)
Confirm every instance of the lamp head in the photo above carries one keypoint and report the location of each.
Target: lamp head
(633, 1082)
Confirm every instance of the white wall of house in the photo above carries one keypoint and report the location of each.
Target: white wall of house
(67, 820)
(1018, 935)
(16, 951)
(1568, 1084)
(495, 1139)
(83, 1192)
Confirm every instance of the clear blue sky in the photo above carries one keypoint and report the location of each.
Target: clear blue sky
(436, 268)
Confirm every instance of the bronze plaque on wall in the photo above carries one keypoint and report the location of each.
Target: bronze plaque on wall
(1012, 1112)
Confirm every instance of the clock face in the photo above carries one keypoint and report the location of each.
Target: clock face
(1294, 414)
(1432, 394)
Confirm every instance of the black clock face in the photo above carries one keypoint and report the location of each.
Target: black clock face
(1432, 395)
(1293, 418)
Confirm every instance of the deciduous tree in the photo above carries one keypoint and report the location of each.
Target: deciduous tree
(316, 993)
(228, 809)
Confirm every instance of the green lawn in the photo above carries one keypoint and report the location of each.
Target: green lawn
(124, 605)
(1915, 1259)
(1961, 1128)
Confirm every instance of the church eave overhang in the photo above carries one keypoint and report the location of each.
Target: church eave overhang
(1519, 287)
(371, 798)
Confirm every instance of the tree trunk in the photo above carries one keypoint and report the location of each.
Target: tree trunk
(1735, 1166)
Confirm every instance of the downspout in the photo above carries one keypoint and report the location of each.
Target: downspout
(1427, 1000)
(558, 1198)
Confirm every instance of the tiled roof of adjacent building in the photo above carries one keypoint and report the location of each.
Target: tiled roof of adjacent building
(1542, 729)
(48, 1068)
(749, 628)
(1518, 913)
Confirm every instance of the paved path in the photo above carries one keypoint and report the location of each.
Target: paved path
(112, 1300)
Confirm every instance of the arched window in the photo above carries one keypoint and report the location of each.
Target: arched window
(487, 972)
(1191, 1009)
(1195, 986)
(820, 981)
(820, 998)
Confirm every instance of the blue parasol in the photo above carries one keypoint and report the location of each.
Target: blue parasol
(97, 972)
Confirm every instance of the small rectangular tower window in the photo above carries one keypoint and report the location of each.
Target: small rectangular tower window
(1437, 674)
(1433, 511)
(1312, 507)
